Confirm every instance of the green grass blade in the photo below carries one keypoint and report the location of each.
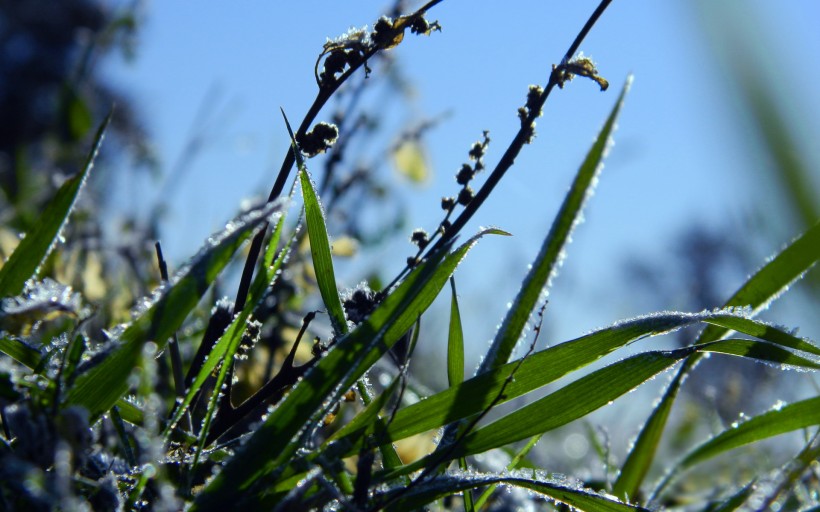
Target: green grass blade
(640, 457)
(758, 291)
(764, 331)
(583, 396)
(455, 342)
(320, 252)
(549, 257)
(20, 351)
(774, 278)
(569, 403)
(760, 351)
(23, 263)
(273, 443)
(100, 387)
(319, 242)
(578, 498)
(788, 418)
(539, 369)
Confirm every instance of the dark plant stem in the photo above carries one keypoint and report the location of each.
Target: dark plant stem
(272, 391)
(173, 343)
(325, 93)
(521, 138)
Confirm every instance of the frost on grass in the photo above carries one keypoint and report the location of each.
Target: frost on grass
(539, 484)
(40, 300)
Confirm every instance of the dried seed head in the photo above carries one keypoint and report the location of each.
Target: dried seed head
(383, 31)
(445, 225)
(448, 203)
(319, 139)
(477, 151)
(465, 196)
(533, 98)
(420, 238)
(465, 174)
(360, 303)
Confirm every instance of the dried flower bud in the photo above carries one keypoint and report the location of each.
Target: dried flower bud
(420, 238)
(360, 303)
(382, 31)
(445, 225)
(465, 174)
(319, 139)
(534, 98)
(465, 196)
(477, 151)
(448, 203)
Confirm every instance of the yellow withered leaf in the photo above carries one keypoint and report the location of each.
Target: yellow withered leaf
(411, 161)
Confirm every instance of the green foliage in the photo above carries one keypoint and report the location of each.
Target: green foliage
(252, 418)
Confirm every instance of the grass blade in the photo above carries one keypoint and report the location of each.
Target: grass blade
(549, 258)
(577, 498)
(320, 252)
(455, 342)
(543, 367)
(100, 387)
(788, 418)
(589, 393)
(760, 351)
(319, 243)
(569, 403)
(23, 263)
(273, 443)
(774, 278)
(758, 291)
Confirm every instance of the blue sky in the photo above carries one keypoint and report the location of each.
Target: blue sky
(682, 153)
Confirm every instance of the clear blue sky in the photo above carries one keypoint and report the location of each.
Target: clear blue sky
(682, 154)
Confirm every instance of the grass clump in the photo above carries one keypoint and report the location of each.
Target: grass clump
(212, 404)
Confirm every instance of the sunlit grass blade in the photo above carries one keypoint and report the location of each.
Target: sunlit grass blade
(783, 419)
(319, 243)
(583, 396)
(418, 496)
(100, 387)
(320, 251)
(455, 342)
(539, 369)
(760, 351)
(758, 291)
(569, 403)
(774, 278)
(273, 443)
(23, 263)
(764, 331)
(549, 257)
